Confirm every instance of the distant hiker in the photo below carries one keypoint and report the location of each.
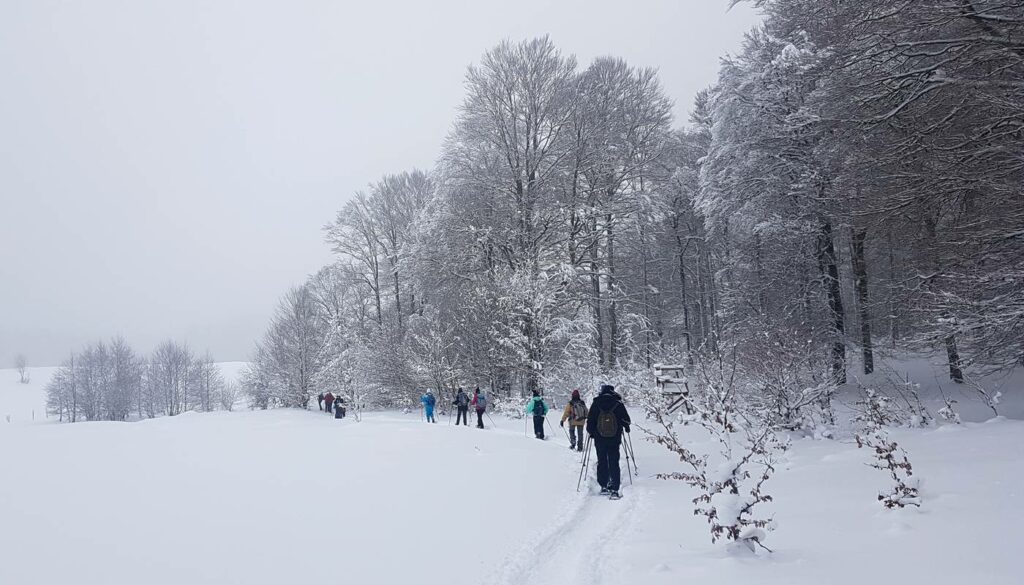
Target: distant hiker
(539, 410)
(576, 413)
(339, 407)
(328, 401)
(480, 402)
(605, 423)
(461, 404)
(429, 401)
(320, 400)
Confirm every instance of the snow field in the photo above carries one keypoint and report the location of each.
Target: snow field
(270, 497)
(293, 496)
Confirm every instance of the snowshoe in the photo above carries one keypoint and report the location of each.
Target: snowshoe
(614, 496)
(605, 491)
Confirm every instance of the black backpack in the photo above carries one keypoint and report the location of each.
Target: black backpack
(538, 407)
(607, 424)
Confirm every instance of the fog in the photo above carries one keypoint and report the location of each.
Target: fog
(166, 167)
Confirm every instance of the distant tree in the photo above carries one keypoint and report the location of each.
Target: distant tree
(207, 383)
(228, 395)
(22, 364)
(170, 379)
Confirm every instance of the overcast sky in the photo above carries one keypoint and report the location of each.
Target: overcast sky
(166, 167)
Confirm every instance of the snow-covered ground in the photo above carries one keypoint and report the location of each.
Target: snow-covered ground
(296, 497)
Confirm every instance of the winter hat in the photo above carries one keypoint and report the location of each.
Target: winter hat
(575, 394)
(606, 388)
(535, 393)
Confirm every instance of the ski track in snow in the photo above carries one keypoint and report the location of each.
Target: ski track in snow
(576, 546)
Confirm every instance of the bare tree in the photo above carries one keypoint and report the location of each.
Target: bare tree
(22, 366)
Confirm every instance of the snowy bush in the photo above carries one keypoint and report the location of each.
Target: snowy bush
(988, 397)
(889, 456)
(874, 410)
(948, 413)
(730, 477)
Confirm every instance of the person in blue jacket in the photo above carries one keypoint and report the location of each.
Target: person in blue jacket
(429, 401)
(539, 410)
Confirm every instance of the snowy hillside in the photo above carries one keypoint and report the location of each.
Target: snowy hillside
(287, 496)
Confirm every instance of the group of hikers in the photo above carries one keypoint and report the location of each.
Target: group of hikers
(462, 402)
(605, 421)
(331, 404)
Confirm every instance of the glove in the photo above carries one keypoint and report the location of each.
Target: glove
(561, 423)
(626, 428)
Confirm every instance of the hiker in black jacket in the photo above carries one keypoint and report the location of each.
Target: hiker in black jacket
(461, 404)
(605, 423)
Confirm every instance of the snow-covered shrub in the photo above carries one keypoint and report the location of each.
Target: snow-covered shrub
(730, 477)
(784, 382)
(228, 395)
(875, 410)
(889, 456)
(508, 406)
(948, 413)
(905, 403)
(988, 397)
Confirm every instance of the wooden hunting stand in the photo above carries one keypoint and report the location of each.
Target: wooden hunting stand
(672, 383)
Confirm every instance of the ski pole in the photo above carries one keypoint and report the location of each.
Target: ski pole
(632, 453)
(629, 472)
(628, 447)
(586, 459)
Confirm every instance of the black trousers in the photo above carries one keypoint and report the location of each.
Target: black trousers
(479, 419)
(608, 473)
(461, 414)
(538, 426)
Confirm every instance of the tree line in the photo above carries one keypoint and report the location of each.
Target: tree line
(851, 185)
(111, 382)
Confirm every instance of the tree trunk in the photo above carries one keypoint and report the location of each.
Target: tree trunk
(398, 297)
(595, 289)
(613, 324)
(955, 373)
(860, 272)
(835, 303)
(681, 251)
(894, 322)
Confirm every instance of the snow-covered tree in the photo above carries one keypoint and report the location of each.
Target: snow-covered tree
(21, 364)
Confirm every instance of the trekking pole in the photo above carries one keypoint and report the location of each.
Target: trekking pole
(629, 472)
(633, 453)
(490, 419)
(583, 468)
(526, 426)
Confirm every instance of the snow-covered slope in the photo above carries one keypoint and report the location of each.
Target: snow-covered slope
(23, 403)
(296, 497)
